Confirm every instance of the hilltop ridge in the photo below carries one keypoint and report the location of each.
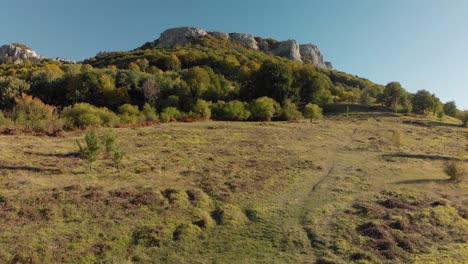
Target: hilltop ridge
(291, 49)
(17, 53)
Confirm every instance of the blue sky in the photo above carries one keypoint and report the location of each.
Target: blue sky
(421, 43)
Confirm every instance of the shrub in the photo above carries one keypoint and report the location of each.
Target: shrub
(32, 114)
(110, 141)
(11, 88)
(54, 127)
(289, 111)
(148, 113)
(4, 122)
(455, 170)
(83, 114)
(129, 114)
(230, 111)
(202, 109)
(90, 152)
(313, 111)
(397, 139)
(264, 109)
(464, 118)
(170, 114)
(118, 156)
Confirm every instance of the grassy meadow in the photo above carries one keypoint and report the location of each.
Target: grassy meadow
(339, 190)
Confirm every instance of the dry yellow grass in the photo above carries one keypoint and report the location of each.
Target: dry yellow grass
(228, 192)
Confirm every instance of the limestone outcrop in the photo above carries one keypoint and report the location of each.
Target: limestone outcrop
(308, 53)
(17, 53)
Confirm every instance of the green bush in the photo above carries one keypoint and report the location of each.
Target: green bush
(202, 109)
(11, 88)
(289, 111)
(170, 114)
(4, 122)
(148, 113)
(91, 150)
(264, 109)
(464, 118)
(81, 115)
(230, 111)
(32, 114)
(129, 114)
(455, 170)
(313, 111)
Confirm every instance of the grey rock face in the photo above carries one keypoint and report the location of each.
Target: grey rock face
(220, 35)
(263, 45)
(288, 49)
(329, 65)
(245, 39)
(17, 54)
(179, 36)
(311, 53)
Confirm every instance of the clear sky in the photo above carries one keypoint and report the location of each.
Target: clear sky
(421, 43)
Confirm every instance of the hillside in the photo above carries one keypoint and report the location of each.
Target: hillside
(336, 191)
(326, 167)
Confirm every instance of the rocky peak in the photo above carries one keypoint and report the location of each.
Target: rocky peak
(179, 36)
(288, 49)
(17, 53)
(308, 53)
(245, 39)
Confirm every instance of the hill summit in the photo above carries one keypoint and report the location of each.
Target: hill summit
(18, 53)
(291, 49)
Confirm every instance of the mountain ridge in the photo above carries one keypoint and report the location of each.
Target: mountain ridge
(18, 53)
(291, 49)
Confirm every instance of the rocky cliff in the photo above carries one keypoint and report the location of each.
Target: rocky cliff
(17, 53)
(308, 53)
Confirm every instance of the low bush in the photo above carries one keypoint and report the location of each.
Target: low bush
(148, 113)
(4, 121)
(129, 114)
(289, 111)
(92, 148)
(170, 114)
(202, 109)
(32, 114)
(455, 170)
(264, 109)
(81, 115)
(313, 111)
(464, 118)
(230, 111)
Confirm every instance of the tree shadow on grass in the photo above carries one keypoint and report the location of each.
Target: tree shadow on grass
(422, 181)
(419, 156)
(30, 169)
(56, 155)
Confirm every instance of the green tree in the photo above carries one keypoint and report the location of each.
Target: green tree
(312, 111)
(231, 111)
(32, 113)
(450, 109)
(264, 109)
(394, 95)
(11, 88)
(197, 80)
(118, 156)
(424, 102)
(314, 87)
(91, 150)
(274, 80)
(289, 111)
(202, 109)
